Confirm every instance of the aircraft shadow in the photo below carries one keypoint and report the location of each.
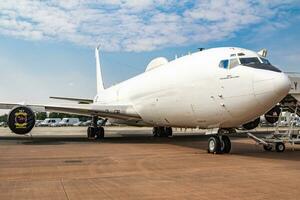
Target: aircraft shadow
(240, 145)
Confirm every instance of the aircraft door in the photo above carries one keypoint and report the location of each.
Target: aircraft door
(224, 75)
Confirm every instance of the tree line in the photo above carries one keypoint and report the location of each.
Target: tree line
(43, 116)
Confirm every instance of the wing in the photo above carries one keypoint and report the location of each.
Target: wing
(80, 101)
(126, 112)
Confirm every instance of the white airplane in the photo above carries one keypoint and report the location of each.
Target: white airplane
(221, 88)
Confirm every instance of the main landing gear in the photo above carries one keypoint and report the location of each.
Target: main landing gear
(219, 143)
(94, 131)
(162, 131)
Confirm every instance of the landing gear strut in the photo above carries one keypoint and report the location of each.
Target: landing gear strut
(162, 131)
(94, 131)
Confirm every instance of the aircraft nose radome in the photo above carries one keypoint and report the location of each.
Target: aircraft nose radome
(270, 87)
(282, 84)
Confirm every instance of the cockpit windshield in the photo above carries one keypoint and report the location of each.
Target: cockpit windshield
(252, 60)
(265, 61)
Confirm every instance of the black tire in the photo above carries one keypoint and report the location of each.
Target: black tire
(162, 132)
(99, 134)
(225, 144)
(267, 147)
(155, 131)
(214, 145)
(280, 147)
(169, 131)
(88, 132)
(91, 132)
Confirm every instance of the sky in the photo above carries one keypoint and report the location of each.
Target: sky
(47, 47)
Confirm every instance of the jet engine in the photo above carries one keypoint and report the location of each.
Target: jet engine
(252, 125)
(21, 120)
(273, 115)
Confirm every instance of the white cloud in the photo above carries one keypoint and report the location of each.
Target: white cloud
(135, 25)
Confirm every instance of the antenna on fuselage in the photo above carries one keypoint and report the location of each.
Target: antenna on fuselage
(100, 85)
(201, 49)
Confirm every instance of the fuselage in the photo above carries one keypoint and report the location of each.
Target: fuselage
(215, 88)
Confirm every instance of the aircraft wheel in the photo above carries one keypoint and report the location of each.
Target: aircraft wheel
(267, 147)
(280, 147)
(155, 131)
(161, 132)
(91, 132)
(225, 144)
(99, 133)
(169, 131)
(214, 145)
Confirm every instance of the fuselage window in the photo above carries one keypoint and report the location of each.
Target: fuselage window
(224, 64)
(233, 63)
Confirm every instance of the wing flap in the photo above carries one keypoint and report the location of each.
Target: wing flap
(80, 101)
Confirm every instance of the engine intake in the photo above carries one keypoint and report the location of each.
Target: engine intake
(21, 120)
(252, 125)
(273, 115)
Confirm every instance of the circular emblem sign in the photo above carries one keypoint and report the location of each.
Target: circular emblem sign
(21, 120)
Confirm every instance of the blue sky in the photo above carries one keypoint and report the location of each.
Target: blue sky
(47, 47)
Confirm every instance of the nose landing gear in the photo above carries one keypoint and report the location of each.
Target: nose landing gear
(219, 144)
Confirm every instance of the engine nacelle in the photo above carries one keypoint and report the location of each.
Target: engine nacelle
(252, 125)
(21, 120)
(273, 115)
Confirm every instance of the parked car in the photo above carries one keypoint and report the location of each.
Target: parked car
(87, 123)
(50, 121)
(100, 122)
(38, 122)
(68, 121)
(56, 124)
(3, 124)
(78, 124)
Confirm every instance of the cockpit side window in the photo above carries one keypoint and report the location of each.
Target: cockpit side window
(233, 63)
(265, 61)
(224, 64)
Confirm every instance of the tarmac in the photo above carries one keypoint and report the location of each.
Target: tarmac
(61, 163)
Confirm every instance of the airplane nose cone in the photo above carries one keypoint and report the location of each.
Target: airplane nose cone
(270, 87)
(282, 84)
